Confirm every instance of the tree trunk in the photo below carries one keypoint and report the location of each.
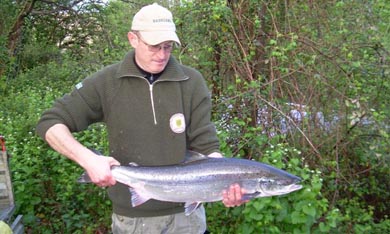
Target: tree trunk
(16, 30)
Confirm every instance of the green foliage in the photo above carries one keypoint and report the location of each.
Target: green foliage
(45, 187)
(329, 64)
(297, 212)
(266, 62)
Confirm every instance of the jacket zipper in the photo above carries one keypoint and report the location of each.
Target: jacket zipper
(152, 99)
(152, 102)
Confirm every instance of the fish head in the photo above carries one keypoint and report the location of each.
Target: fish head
(272, 186)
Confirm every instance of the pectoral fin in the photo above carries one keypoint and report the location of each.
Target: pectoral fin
(249, 196)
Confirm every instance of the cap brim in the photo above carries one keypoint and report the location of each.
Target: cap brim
(157, 37)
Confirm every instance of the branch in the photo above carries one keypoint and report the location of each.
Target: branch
(14, 34)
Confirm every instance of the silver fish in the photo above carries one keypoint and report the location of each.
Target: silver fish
(202, 179)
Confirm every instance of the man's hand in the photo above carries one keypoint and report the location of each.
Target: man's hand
(98, 167)
(99, 170)
(233, 196)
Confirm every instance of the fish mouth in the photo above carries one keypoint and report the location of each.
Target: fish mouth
(283, 189)
(295, 187)
(296, 184)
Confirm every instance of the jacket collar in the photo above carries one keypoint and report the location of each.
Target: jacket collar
(172, 72)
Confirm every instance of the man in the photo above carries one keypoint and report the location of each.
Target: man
(154, 109)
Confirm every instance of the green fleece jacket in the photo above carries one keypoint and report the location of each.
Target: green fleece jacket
(149, 124)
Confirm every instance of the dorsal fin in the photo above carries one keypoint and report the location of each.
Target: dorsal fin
(133, 164)
(192, 156)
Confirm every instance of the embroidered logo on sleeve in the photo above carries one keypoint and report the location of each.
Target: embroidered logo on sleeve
(177, 123)
(79, 85)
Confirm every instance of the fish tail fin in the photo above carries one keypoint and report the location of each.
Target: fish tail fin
(84, 178)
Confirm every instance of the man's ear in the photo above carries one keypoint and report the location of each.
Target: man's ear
(133, 39)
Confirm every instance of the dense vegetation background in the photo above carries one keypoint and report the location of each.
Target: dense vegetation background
(301, 85)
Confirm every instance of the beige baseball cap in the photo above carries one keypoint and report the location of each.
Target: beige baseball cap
(155, 24)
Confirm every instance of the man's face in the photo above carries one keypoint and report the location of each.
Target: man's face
(151, 58)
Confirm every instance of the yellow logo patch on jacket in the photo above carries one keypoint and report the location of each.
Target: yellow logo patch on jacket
(177, 123)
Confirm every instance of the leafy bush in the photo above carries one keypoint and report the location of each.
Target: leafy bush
(45, 187)
(258, 58)
(304, 211)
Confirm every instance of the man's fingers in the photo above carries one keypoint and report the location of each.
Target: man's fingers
(113, 161)
(233, 196)
(237, 193)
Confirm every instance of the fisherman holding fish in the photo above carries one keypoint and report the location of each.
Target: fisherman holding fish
(155, 109)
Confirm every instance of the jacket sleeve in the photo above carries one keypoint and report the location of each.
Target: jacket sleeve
(201, 132)
(76, 110)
